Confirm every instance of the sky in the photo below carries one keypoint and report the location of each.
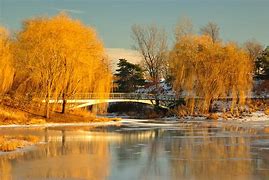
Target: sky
(239, 20)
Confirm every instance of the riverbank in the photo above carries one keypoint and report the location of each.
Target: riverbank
(15, 116)
(51, 125)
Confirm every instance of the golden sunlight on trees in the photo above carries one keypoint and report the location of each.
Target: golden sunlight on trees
(207, 71)
(57, 58)
(6, 58)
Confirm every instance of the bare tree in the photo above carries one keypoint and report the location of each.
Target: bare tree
(254, 49)
(151, 42)
(211, 29)
(183, 28)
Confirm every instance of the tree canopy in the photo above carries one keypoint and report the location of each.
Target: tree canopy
(6, 61)
(208, 71)
(256, 55)
(262, 64)
(59, 57)
(129, 77)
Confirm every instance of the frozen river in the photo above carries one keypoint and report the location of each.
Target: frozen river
(139, 149)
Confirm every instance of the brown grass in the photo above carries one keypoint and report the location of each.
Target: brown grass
(82, 113)
(14, 115)
(213, 116)
(8, 143)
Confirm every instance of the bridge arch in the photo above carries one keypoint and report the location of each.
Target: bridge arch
(88, 99)
(91, 102)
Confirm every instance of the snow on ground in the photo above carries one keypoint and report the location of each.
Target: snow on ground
(163, 89)
(256, 116)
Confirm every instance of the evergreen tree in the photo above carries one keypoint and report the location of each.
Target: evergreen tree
(129, 76)
(262, 65)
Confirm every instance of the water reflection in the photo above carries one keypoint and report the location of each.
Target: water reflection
(157, 153)
(5, 169)
(211, 158)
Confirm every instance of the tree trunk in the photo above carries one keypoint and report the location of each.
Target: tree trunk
(157, 103)
(63, 106)
(64, 103)
(211, 107)
(47, 106)
(47, 109)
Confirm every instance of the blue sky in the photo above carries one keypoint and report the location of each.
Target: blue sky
(239, 20)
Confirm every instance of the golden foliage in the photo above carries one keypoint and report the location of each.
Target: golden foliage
(209, 71)
(59, 57)
(6, 57)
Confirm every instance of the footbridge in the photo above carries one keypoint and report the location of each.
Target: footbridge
(88, 99)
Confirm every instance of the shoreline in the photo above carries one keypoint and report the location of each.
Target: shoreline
(255, 123)
(255, 118)
(47, 125)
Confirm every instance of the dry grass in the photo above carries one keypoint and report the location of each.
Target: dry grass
(8, 143)
(11, 115)
(82, 113)
(213, 116)
(36, 121)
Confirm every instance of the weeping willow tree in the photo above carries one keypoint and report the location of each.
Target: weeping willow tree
(59, 57)
(6, 64)
(206, 71)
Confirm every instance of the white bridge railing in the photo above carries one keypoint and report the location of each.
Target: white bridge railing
(135, 96)
(139, 96)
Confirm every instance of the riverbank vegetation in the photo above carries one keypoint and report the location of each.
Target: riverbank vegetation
(9, 143)
(52, 59)
(212, 75)
(57, 58)
(207, 71)
(10, 115)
